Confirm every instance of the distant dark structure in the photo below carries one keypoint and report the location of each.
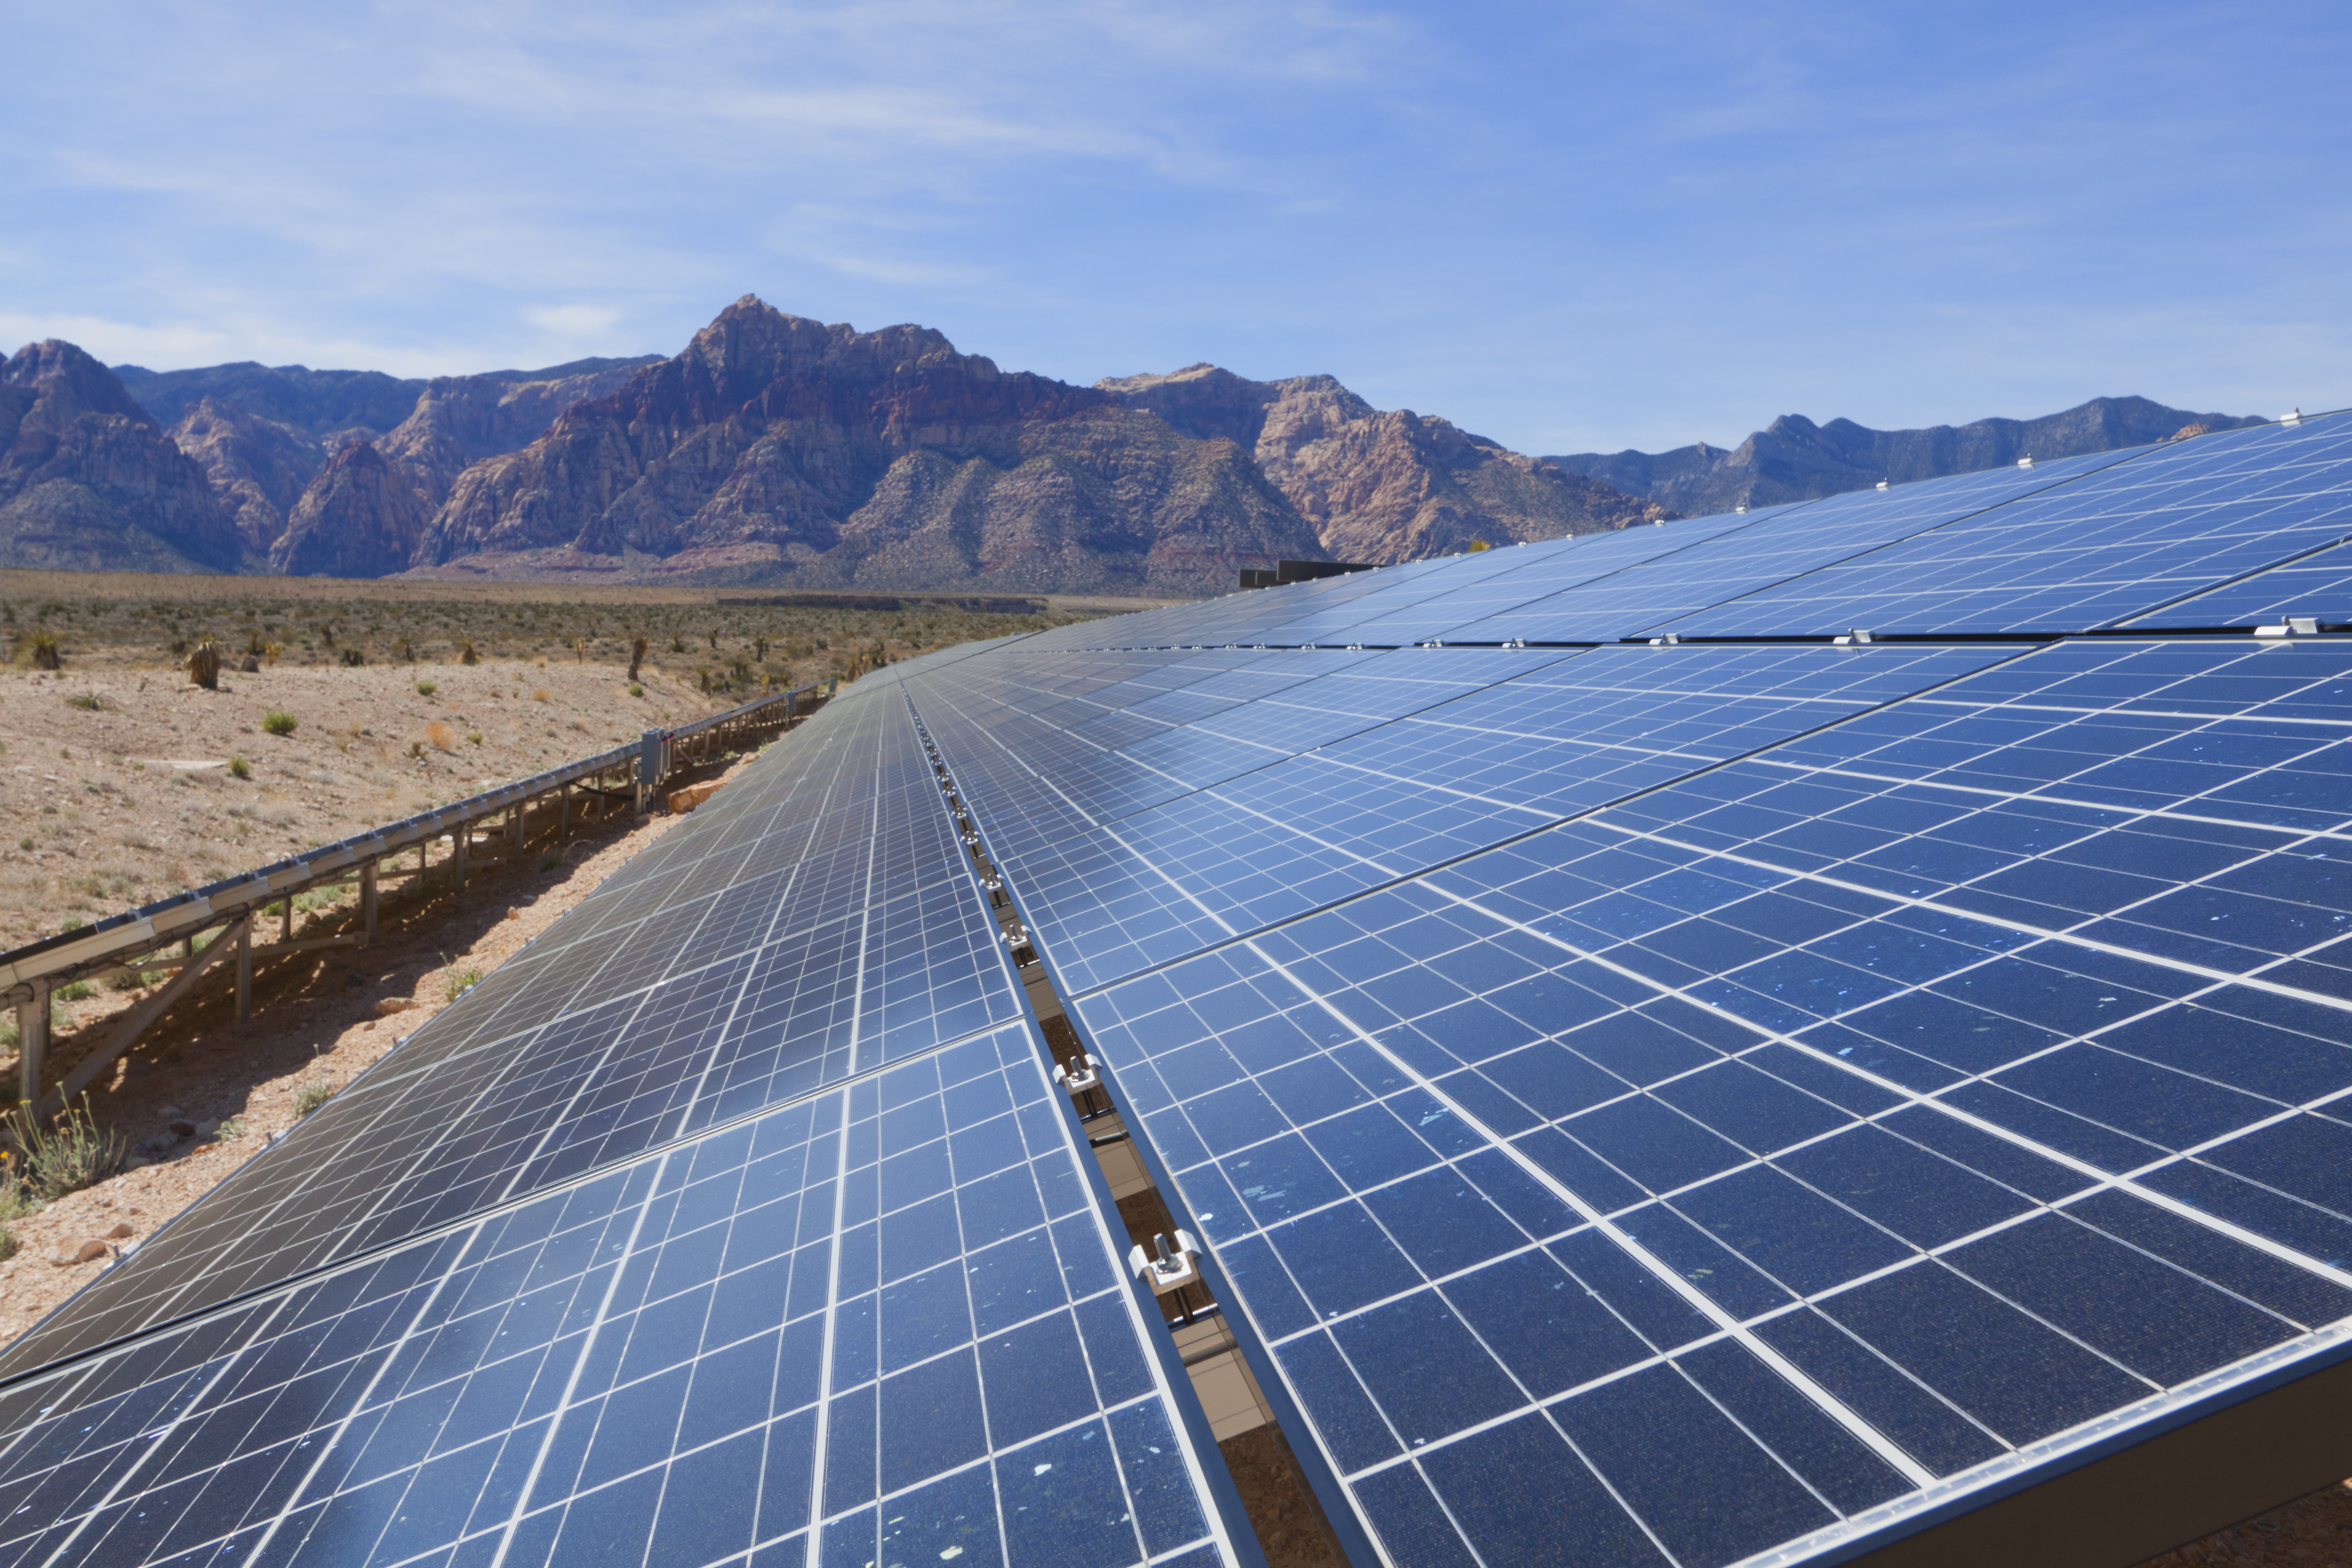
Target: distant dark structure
(1300, 571)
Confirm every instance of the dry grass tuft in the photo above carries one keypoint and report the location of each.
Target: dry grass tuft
(541, 695)
(440, 737)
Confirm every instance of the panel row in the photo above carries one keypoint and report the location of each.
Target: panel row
(884, 1324)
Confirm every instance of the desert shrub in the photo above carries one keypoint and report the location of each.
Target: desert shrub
(353, 657)
(53, 1162)
(25, 842)
(239, 768)
(204, 666)
(542, 695)
(636, 691)
(439, 736)
(279, 722)
(427, 687)
(457, 981)
(76, 991)
(474, 736)
(466, 654)
(549, 859)
(312, 1096)
(88, 702)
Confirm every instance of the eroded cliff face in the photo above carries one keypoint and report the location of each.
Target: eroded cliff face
(1381, 486)
(778, 448)
(256, 468)
(360, 518)
(89, 481)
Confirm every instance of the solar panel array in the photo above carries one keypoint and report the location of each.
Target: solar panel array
(1732, 1040)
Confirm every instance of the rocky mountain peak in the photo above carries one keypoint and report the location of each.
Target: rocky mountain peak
(1381, 487)
(88, 478)
(70, 383)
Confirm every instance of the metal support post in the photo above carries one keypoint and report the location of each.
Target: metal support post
(244, 972)
(564, 821)
(288, 919)
(32, 1042)
(367, 901)
(465, 832)
(514, 826)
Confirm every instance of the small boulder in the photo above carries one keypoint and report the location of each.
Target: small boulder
(88, 1252)
(386, 1006)
(120, 1231)
(183, 1130)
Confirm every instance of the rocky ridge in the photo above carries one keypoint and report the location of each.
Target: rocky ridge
(1379, 486)
(89, 478)
(1796, 460)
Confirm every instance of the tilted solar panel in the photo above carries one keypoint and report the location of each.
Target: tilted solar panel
(1725, 1101)
(884, 1323)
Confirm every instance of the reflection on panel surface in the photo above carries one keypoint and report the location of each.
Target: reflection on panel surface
(1934, 1083)
(887, 1315)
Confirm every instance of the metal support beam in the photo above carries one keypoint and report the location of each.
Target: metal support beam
(465, 832)
(135, 1023)
(563, 821)
(244, 975)
(32, 1041)
(286, 911)
(367, 901)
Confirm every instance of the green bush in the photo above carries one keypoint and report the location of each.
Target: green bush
(457, 981)
(279, 723)
(239, 768)
(636, 691)
(427, 687)
(76, 991)
(312, 1096)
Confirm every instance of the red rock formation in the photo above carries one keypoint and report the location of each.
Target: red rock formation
(90, 482)
(1382, 487)
(776, 447)
(259, 467)
(361, 518)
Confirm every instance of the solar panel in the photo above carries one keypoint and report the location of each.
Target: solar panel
(882, 1322)
(2097, 551)
(1873, 1079)
(867, 948)
(1739, 1100)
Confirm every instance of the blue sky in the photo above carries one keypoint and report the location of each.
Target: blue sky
(1564, 226)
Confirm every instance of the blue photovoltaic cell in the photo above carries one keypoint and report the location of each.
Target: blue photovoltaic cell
(2318, 586)
(1111, 893)
(871, 946)
(887, 1315)
(1777, 544)
(1799, 1067)
(2096, 552)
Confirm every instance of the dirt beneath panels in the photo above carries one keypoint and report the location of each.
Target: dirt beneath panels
(316, 1021)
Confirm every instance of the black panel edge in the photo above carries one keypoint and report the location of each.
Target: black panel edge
(2218, 1461)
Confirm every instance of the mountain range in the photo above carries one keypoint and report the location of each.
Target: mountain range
(775, 450)
(1795, 460)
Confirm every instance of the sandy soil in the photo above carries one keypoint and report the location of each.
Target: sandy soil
(121, 788)
(316, 1021)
